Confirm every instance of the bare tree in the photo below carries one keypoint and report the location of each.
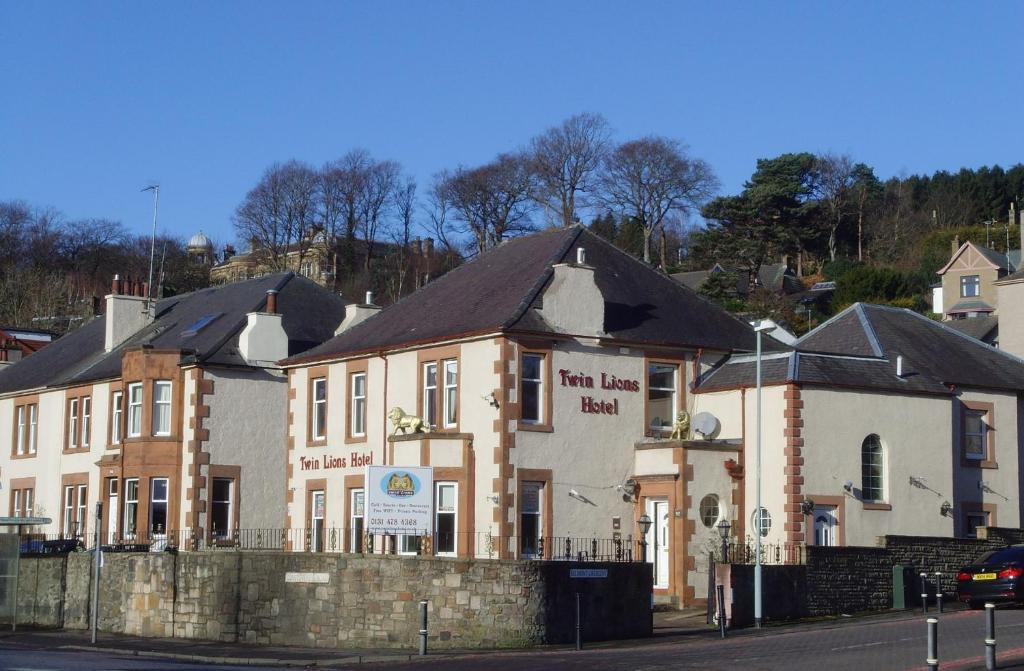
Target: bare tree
(404, 204)
(650, 178)
(277, 216)
(378, 191)
(492, 201)
(565, 161)
(835, 179)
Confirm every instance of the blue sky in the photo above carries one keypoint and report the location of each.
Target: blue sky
(99, 99)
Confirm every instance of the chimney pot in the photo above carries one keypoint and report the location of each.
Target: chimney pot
(144, 289)
(115, 285)
(272, 301)
(369, 298)
(899, 365)
(581, 256)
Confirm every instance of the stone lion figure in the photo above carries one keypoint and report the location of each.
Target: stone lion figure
(681, 427)
(402, 421)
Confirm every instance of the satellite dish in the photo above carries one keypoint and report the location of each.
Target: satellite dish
(705, 424)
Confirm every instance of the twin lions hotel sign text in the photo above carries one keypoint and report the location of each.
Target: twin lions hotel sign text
(596, 406)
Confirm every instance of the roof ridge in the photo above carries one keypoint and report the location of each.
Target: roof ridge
(869, 330)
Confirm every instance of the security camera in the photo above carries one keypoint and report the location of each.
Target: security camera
(848, 485)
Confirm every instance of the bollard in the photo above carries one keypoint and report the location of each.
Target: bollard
(938, 591)
(721, 610)
(924, 592)
(933, 645)
(990, 636)
(423, 628)
(579, 624)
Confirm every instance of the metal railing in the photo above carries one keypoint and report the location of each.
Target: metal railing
(351, 541)
(771, 553)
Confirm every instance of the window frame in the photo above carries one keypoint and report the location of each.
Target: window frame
(965, 282)
(81, 509)
(870, 491)
(68, 511)
(86, 422)
(987, 458)
(116, 416)
(450, 395)
(130, 504)
(25, 428)
(357, 405)
(443, 397)
(153, 533)
(453, 513)
(546, 423)
(677, 398)
(20, 429)
(228, 503)
(756, 520)
(428, 404)
(356, 531)
(317, 533)
(318, 425)
(168, 405)
(540, 415)
(72, 424)
(134, 411)
(717, 507)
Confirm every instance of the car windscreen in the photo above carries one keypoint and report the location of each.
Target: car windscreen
(1004, 556)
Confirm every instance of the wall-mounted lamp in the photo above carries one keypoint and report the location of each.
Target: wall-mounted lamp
(946, 509)
(493, 498)
(807, 506)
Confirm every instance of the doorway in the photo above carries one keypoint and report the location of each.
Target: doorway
(825, 523)
(658, 541)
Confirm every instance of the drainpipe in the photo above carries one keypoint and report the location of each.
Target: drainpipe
(384, 411)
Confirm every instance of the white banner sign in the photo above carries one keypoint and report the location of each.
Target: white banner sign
(400, 500)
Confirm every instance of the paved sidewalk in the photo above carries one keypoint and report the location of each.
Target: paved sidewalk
(671, 626)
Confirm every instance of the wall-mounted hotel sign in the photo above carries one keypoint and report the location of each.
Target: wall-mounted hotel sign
(399, 500)
(594, 406)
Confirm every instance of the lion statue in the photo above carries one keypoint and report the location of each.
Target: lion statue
(402, 421)
(681, 427)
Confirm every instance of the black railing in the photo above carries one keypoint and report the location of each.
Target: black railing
(771, 553)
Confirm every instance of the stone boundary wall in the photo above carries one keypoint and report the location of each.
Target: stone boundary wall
(837, 580)
(336, 601)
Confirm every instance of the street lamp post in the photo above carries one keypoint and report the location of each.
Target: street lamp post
(723, 529)
(645, 525)
(759, 328)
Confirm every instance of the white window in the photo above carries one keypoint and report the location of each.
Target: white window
(761, 522)
(317, 505)
(429, 409)
(131, 507)
(531, 528)
(445, 518)
(220, 508)
(82, 514)
(20, 439)
(69, 511)
(709, 510)
(532, 394)
(162, 408)
(116, 416)
(356, 525)
(661, 396)
(73, 423)
(135, 409)
(409, 545)
(22, 503)
(451, 392)
(970, 286)
(319, 408)
(86, 420)
(975, 434)
(157, 507)
(33, 421)
(359, 404)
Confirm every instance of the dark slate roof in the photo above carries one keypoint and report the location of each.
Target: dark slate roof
(997, 258)
(928, 347)
(980, 328)
(1014, 277)
(693, 279)
(828, 370)
(973, 305)
(500, 290)
(310, 315)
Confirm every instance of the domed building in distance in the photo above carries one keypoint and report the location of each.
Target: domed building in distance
(200, 249)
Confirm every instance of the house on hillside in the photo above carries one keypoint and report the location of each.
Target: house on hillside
(777, 278)
(18, 343)
(171, 415)
(881, 421)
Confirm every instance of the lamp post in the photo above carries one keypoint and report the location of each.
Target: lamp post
(645, 525)
(759, 328)
(723, 529)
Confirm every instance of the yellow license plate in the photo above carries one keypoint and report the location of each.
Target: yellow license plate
(985, 576)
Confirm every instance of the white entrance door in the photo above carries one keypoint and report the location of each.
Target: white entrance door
(657, 541)
(112, 510)
(824, 525)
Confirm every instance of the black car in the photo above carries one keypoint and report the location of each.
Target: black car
(996, 577)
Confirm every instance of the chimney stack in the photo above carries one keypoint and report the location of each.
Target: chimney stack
(357, 313)
(271, 301)
(127, 312)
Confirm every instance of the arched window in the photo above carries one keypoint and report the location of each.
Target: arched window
(872, 469)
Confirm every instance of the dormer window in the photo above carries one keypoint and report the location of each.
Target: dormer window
(970, 286)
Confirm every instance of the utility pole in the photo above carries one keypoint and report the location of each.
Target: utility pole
(155, 188)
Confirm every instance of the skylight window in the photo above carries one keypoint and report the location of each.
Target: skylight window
(199, 324)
